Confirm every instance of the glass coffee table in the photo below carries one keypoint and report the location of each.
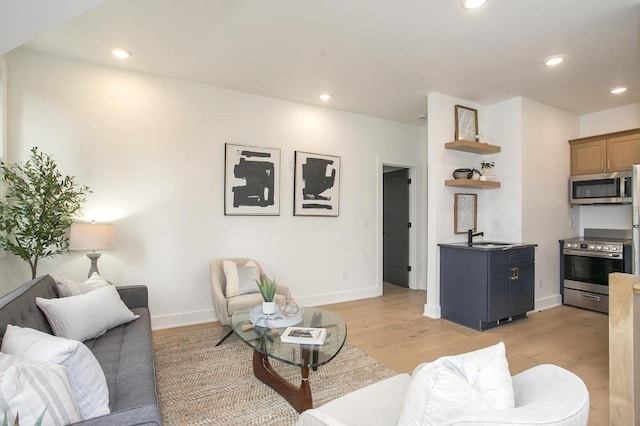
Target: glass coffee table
(266, 345)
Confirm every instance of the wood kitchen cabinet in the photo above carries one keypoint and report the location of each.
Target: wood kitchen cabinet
(483, 288)
(612, 152)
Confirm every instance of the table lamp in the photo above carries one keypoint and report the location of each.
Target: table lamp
(91, 236)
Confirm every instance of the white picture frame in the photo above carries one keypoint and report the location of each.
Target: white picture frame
(251, 181)
(316, 186)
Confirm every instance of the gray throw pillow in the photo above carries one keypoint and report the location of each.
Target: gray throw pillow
(247, 276)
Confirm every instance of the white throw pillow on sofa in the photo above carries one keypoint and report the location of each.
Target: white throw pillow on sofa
(85, 374)
(86, 316)
(454, 385)
(67, 287)
(33, 389)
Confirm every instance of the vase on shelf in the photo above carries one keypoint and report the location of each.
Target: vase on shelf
(268, 308)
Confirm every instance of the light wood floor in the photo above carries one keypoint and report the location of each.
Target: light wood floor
(393, 330)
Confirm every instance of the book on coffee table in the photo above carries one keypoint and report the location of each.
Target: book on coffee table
(304, 335)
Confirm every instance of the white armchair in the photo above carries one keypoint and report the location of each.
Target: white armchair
(225, 305)
(544, 395)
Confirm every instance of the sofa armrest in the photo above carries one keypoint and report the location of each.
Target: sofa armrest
(545, 395)
(315, 417)
(134, 296)
(377, 404)
(284, 291)
(139, 416)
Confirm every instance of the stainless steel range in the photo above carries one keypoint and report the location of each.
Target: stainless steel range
(587, 263)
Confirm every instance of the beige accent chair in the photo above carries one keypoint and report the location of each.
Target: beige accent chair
(226, 306)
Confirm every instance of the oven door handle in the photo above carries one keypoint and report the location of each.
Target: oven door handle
(591, 297)
(592, 254)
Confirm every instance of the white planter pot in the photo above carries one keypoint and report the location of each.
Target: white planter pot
(268, 308)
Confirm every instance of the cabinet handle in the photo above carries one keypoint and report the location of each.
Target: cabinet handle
(514, 274)
(591, 297)
(602, 165)
(608, 164)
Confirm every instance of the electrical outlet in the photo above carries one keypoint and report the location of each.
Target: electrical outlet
(345, 276)
(539, 282)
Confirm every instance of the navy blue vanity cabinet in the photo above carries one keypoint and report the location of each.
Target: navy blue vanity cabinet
(483, 288)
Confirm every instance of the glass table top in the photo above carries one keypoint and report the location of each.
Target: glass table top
(265, 341)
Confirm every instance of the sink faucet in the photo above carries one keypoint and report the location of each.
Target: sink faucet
(470, 236)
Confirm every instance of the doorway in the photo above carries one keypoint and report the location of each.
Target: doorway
(396, 226)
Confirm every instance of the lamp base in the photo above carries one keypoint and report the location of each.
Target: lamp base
(94, 262)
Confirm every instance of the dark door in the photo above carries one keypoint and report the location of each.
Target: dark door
(395, 221)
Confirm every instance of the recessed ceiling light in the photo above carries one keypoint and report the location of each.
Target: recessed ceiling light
(618, 90)
(472, 4)
(120, 53)
(554, 60)
(325, 96)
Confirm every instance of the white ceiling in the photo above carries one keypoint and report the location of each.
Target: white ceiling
(376, 57)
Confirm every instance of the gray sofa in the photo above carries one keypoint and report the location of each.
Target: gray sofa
(124, 352)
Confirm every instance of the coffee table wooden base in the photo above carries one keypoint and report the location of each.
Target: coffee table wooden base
(298, 396)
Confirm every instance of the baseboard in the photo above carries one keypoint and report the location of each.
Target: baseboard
(548, 302)
(182, 319)
(200, 317)
(345, 296)
(432, 311)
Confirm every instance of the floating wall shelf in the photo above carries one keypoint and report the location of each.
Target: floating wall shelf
(472, 183)
(473, 147)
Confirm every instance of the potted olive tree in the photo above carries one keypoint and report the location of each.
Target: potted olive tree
(39, 206)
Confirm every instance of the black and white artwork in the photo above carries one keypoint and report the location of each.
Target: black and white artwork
(251, 180)
(316, 185)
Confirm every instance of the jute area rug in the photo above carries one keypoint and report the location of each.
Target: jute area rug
(201, 384)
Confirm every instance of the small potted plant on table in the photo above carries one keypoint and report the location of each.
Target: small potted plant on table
(267, 289)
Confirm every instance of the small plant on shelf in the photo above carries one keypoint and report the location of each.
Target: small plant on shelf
(486, 166)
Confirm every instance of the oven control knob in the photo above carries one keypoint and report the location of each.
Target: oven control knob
(613, 248)
(606, 248)
(591, 246)
(598, 247)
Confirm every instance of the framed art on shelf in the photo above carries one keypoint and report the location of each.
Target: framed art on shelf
(466, 123)
(251, 180)
(316, 185)
(465, 215)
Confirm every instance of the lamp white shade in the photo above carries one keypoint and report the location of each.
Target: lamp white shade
(91, 236)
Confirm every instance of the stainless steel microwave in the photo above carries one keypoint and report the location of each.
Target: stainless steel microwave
(601, 188)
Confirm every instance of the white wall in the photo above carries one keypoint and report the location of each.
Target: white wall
(503, 207)
(612, 120)
(546, 215)
(152, 151)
